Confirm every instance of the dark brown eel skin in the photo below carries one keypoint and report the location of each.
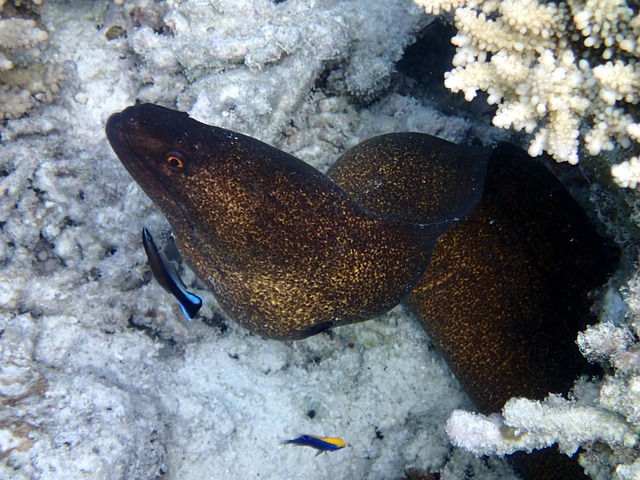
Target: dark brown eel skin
(506, 290)
(499, 279)
(285, 250)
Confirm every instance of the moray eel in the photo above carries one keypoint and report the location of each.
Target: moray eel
(289, 252)
(506, 290)
(506, 293)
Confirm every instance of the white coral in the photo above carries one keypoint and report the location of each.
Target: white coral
(566, 71)
(528, 425)
(618, 81)
(627, 174)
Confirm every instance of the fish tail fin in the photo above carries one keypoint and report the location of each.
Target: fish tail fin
(191, 305)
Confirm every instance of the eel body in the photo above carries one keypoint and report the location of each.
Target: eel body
(285, 250)
(499, 280)
(506, 289)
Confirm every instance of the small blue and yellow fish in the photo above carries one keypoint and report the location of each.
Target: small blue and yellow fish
(167, 276)
(322, 444)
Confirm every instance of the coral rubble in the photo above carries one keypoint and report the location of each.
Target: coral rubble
(26, 79)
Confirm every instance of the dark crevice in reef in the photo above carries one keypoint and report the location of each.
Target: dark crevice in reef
(421, 74)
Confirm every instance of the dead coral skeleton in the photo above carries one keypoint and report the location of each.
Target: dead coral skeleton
(25, 80)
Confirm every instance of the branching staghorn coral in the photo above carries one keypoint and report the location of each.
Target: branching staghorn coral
(563, 71)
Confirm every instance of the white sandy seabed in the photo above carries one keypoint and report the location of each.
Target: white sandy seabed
(86, 392)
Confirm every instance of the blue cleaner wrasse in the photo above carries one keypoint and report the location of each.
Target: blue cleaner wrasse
(322, 444)
(167, 276)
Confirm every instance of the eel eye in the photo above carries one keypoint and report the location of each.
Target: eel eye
(175, 161)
